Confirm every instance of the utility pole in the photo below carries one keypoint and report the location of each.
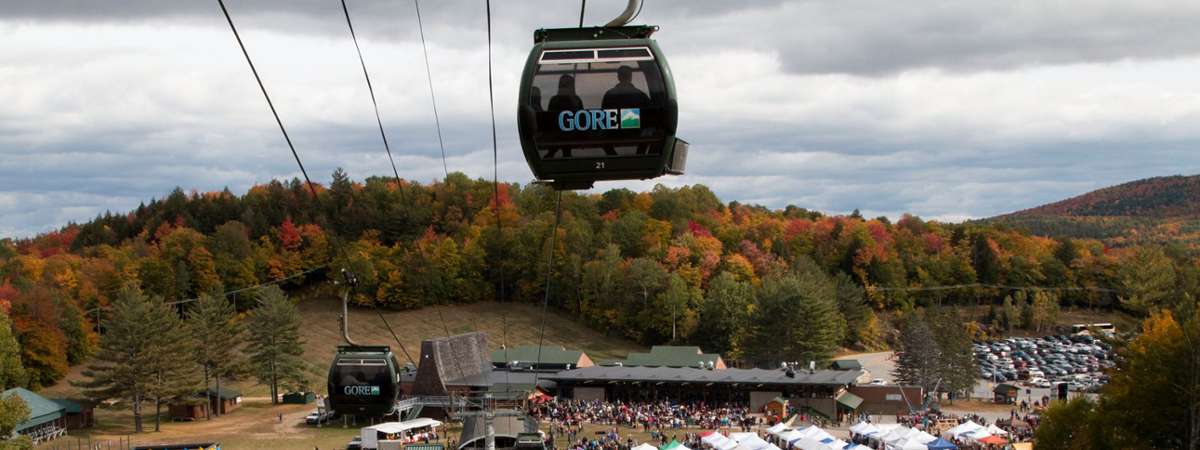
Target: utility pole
(489, 440)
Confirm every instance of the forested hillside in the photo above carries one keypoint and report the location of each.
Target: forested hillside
(1158, 197)
(1160, 210)
(668, 265)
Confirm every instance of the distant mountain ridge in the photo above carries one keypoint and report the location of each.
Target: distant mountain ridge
(1158, 210)
(1158, 197)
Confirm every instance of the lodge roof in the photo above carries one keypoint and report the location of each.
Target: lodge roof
(529, 353)
(41, 409)
(692, 375)
(671, 356)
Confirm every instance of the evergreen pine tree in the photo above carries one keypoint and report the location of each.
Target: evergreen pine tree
(219, 336)
(12, 371)
(170, 359)
(183, 280)
(726, 311)
(275, 346)
(956, 362)
(121, 367)
(1027, 311)
(852, 304)
(80, 342)
(1008, 314)
(796, 319)
(917, 359)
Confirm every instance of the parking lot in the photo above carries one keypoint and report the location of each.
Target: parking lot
(1077, 360)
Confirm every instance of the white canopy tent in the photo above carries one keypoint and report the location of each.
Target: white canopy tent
(815, 432)
(739, 437)
(719, 441)
(882, 430)
(751, 443)
(910, 444)
(964, 428)
(863, 428)
(895, 436)
(777, 428)
(812, 444)
(713, 437)
(921, 436)
(790, 436)
(976, 434)
(995, 430)
(644, 446)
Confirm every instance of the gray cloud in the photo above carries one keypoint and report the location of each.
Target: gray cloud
(867, 37)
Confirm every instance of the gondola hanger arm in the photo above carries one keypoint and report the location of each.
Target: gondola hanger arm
(626, 15)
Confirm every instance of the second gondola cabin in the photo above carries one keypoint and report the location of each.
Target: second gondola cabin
(598, 104)
(364, 381)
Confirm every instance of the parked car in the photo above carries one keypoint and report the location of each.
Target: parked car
(318, 417)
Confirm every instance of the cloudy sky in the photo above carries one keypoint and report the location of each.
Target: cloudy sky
(946, 109)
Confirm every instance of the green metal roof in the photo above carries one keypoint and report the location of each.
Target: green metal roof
(223, 393)
(846, 364)
(529, 354)
(41, 410)
(69, 406)
(849, 400)
(671, 356)
(1004, 388)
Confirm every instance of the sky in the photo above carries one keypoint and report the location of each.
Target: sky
(946, 109)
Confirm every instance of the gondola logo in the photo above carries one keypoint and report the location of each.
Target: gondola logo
(361, 390)
(631, 118)
(600, 119)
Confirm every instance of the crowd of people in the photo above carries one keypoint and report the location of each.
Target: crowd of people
(666, 421)
(662, 421)
(650, 416)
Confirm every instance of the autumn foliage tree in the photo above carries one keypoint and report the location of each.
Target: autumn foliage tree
(657, 266)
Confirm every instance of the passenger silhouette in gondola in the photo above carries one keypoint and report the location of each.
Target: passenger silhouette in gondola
(623, 96)
(565, 100)
(354, 378)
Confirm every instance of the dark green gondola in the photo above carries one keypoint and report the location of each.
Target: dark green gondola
(598, 104)
(364, 381)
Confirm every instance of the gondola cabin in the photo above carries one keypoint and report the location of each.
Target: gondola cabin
(531, 441)
(364, 381)
(598, 104)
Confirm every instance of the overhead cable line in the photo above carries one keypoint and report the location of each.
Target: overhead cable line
(257, 286)
(496, 194)
(549, 278)
(997, 286)
(437, 122)
(361, 60)
(374, 103)
(311, 187)
(268, 97)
